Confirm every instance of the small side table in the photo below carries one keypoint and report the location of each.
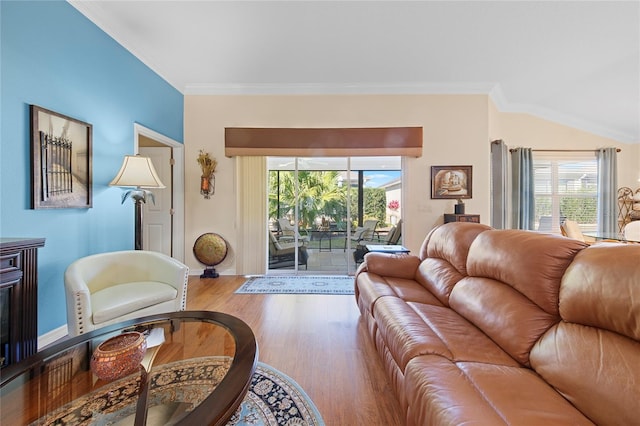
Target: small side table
(376, 248)
(324, 235)
(360, 251)
(449, 217)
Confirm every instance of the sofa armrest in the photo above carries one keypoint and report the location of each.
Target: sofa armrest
(391, 265)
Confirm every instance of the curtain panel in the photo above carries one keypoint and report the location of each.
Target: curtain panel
(522, 189)
(251, 215)
(607, 190)
(499, 184)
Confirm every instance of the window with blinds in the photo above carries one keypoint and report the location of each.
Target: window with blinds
(566, 185)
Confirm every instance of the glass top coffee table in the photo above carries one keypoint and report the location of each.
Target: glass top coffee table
(196, 371)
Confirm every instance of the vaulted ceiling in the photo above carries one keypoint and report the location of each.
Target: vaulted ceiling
(573, 62)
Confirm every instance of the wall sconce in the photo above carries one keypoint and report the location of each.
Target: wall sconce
(207, 179)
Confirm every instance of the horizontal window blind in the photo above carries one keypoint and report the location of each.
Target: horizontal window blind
(566, 186)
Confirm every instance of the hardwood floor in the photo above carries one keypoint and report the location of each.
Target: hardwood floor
(318, 340)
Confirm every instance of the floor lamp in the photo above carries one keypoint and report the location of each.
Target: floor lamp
(137, 171)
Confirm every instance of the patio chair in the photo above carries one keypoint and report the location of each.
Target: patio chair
(283, 254)
(289, 231)
(395, 234)
(364, 232)
(393, 238)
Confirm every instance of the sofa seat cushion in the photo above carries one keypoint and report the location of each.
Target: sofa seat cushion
(121, 299)
(443, 392)
(371, 286)
(412, 329)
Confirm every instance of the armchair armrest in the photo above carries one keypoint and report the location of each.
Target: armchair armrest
(391, 265)
(170, 271)
(78, 299)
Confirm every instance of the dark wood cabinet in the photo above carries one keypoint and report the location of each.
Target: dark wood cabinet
(18, 298)
(448, 217)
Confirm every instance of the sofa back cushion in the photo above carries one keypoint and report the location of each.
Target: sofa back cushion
(602, 289)
(511, 292)
(592, 356)
(444, 257)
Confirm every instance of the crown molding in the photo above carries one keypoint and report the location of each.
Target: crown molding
(503, 105)
(417, 88)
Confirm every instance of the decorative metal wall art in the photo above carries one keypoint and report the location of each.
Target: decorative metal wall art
(60, 161)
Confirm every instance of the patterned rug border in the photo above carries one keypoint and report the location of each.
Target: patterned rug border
(273, 397)
(298, 284)
(300, 402)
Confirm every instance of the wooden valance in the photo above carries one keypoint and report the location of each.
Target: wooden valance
(323, 142)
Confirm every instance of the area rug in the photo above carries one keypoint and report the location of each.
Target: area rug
(275, 399)
(175, 389)
(298, 284)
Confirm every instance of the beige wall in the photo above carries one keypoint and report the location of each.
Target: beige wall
(457, 131)
(523, 130)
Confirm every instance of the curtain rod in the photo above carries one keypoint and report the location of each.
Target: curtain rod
(564, 150)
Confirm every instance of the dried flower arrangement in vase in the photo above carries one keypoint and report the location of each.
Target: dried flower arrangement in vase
(207, 179)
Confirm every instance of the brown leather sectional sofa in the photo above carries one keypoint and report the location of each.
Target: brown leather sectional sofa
(507, 327)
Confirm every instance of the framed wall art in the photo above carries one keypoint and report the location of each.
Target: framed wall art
(451, 182)
(60, 161)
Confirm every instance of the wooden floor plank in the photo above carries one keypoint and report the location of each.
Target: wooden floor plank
(318, 340)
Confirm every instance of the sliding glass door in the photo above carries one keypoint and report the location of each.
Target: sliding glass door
(317, 203)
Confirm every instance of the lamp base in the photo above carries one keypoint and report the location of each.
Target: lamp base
(138, 224)
(210, 272)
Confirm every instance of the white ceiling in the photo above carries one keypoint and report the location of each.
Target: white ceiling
(573, 62)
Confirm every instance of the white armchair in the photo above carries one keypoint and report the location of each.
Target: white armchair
(107, 288)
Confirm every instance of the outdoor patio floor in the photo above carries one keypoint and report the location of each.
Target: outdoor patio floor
(334, 261)
(327, 256)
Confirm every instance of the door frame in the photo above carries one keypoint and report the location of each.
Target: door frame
(177, 149)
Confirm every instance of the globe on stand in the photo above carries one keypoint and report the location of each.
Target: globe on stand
(210, 249)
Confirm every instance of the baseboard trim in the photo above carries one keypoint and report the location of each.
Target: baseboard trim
(52, 336)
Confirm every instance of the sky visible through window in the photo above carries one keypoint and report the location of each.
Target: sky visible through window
(376, 178)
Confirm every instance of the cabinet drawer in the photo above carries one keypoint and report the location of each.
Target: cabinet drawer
(10, 262)
(469, 218)
(475, 218)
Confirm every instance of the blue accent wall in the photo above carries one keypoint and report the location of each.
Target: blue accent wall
(54, 57)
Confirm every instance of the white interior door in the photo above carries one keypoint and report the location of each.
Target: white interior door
(157, 217)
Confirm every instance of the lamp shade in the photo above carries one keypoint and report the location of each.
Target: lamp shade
(137, 171)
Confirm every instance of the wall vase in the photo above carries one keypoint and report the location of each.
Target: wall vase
(207, 186)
